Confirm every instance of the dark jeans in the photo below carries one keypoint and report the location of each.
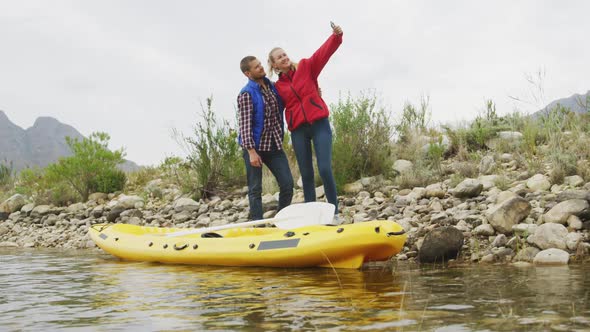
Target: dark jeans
(320, 134)
(277, 163)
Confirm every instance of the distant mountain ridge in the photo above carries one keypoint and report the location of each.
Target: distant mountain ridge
(576, 103)
(40, 145)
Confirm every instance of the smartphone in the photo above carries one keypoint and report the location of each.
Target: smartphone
(332, 24)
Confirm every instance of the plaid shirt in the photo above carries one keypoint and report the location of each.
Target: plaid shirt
(272, 130)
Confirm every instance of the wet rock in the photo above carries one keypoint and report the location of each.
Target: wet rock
(562, 211)
(550, 235)
(552, 257)
(441, 244)
(507, 214)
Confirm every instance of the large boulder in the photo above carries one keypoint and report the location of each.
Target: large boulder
(441, 244)
(573, 194)
(505, 215)
(13, 204)
(551, 235)
(552, 257)
(562, 211)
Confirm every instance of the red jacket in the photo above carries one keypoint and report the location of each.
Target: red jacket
(299, 88)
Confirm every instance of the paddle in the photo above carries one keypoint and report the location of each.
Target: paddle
(292, 216)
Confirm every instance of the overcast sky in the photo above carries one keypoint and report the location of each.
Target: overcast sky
(137, 69)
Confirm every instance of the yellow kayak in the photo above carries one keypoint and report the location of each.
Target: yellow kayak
(344, 246)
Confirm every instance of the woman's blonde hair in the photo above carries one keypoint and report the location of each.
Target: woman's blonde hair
(271, 61)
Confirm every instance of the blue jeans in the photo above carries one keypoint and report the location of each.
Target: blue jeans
(320, 134)
(277, 163)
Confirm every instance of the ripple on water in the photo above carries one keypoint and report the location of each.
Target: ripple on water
(85, 291)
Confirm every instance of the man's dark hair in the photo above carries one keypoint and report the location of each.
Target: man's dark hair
(245, 63)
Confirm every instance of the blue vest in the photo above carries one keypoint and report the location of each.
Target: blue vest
(253, 89)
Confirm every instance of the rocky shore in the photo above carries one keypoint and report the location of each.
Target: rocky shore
(475, 221)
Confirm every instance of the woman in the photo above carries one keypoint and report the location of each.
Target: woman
(306, 113)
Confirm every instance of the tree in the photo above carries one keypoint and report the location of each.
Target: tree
(92, 167)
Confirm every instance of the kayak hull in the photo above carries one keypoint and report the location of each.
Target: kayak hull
(344, 246)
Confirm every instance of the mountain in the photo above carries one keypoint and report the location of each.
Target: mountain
(576, 103)
(40, 145)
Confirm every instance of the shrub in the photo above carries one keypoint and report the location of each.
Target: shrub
(419, 176)
(139, 178)
(413, 120)
(362, 135)
(109, 181)
(6, 171)
(92, 164)
(214, 154)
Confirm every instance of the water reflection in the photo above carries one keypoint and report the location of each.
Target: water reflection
(51, 290)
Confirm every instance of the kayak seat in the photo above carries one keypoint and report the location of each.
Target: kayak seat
(211, 235)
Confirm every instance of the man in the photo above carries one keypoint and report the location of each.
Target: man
(261, 136)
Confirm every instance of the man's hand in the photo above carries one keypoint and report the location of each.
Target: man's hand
(255, 159)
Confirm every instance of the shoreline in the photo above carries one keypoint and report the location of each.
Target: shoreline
(522, 224)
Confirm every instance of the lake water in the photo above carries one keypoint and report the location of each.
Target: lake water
(86, 290)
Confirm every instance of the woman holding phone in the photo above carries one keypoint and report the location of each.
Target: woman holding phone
(306, 113)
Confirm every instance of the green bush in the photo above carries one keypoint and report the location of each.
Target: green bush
(214, 154)
(6, 172)
(91, 166)
(108, 181)
(413, 120)
(361, 140)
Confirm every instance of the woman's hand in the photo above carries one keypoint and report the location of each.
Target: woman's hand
(336, 29)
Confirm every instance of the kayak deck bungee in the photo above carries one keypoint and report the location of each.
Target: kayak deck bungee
(344, 246)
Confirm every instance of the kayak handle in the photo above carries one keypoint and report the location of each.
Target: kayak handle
(402, 232)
